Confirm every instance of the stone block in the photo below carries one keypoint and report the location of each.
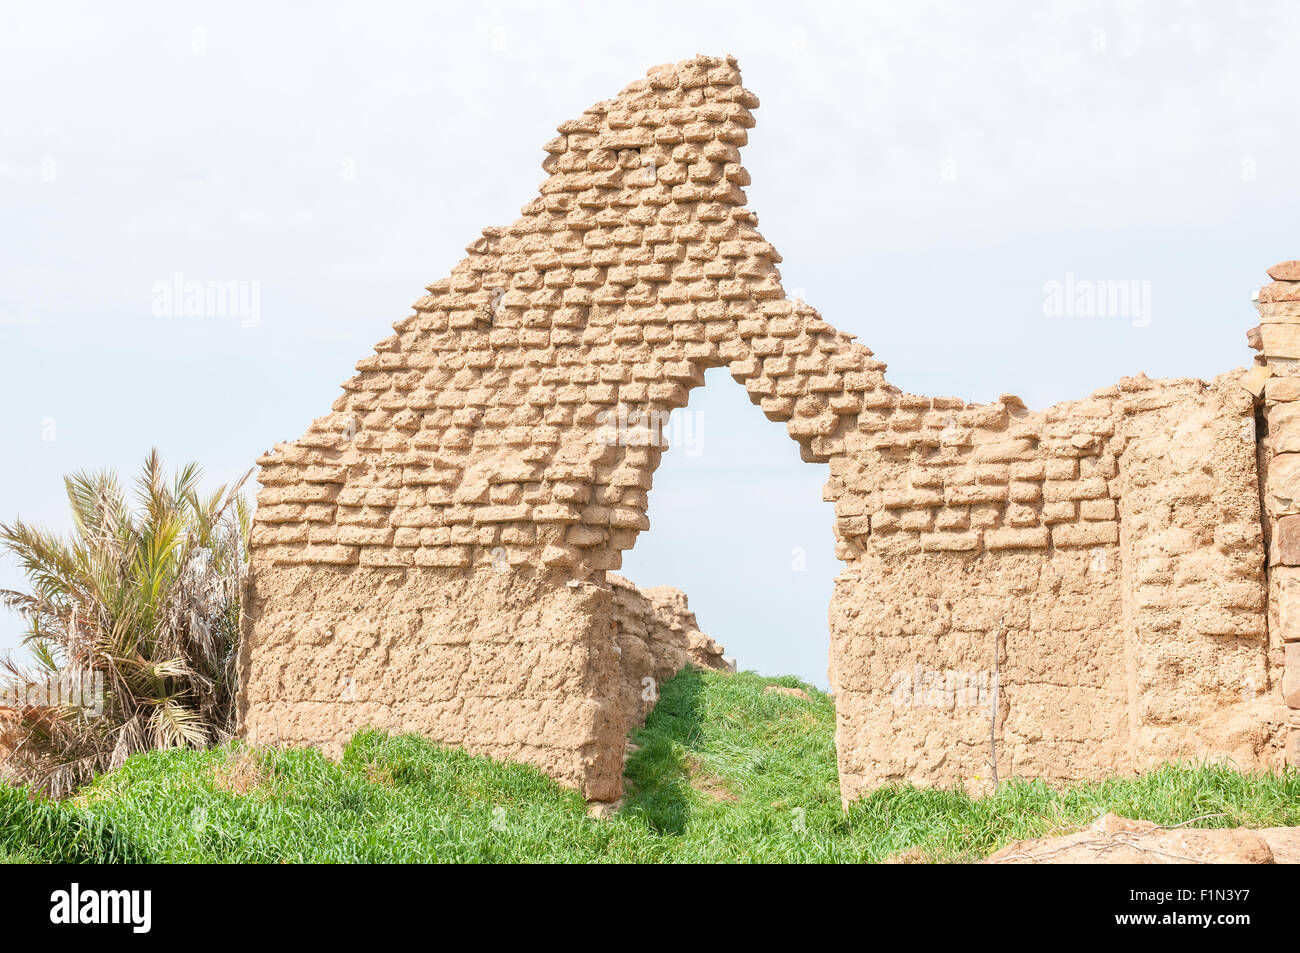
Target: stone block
(1284, 483)
(1085, 534)
(1285, 550)
(1287, 589)
(1281, 340)
(1255, 379)
(1013, 538)
(1291, 676)
(1282, 389)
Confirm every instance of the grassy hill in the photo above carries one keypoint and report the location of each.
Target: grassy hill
(722, 772)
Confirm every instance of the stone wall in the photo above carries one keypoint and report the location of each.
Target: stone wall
(1275, 381)
(441, 540)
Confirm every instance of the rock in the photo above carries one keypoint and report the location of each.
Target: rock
(1288, 603)
(1281, 340)
(601, 810)
(1278, 291)
(1291, 676)
(1284, 483)
(1119, 840)
(1284, 842)
(1283, 389)
(1286, 541)
(1284, 427)
(782, 690)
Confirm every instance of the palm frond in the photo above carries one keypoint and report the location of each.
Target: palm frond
(147, 598)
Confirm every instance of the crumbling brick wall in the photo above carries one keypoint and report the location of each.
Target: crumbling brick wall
(433, 554)
(657, 636)
(1108, 550)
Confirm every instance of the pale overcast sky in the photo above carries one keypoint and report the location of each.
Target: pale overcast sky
(926, 170)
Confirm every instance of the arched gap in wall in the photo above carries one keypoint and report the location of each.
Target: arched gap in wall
(737, 522)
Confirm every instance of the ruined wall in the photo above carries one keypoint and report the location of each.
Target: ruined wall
(440, 541)
(517, 666)
(1109, 550)
(1275, 381)
(509, 665)
(657, 636)
(474, 451)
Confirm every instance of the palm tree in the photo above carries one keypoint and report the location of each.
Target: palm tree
(143, 602)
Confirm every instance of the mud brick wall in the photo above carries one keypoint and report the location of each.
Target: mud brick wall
(1109, 550)
(475, 483)
(657, 635)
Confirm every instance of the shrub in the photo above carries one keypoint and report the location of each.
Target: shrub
(142, 602)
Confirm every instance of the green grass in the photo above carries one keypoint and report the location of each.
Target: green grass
(723, 772)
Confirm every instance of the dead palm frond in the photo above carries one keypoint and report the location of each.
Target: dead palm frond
(143, 600)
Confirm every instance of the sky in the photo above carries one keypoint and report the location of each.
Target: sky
(948, 181)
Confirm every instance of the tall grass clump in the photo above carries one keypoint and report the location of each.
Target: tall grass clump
(36, 830)
(141, 600)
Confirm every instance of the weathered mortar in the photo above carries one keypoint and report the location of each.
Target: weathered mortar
(475, 482)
